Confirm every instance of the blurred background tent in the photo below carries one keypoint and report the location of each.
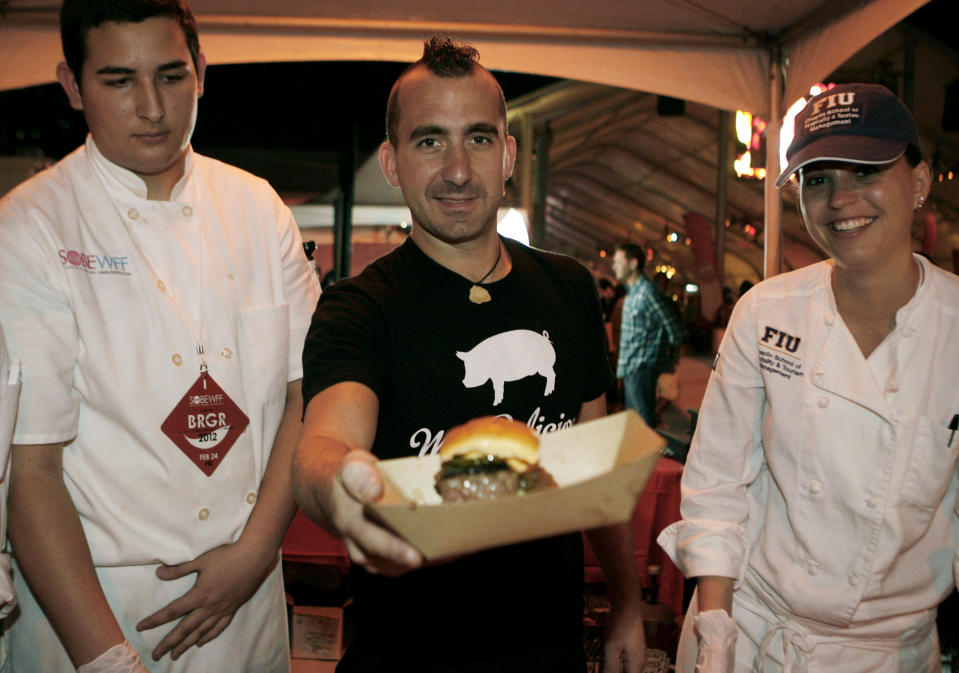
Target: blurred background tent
(624, 111)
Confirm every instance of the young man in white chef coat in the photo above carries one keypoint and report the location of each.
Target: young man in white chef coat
(158, 300)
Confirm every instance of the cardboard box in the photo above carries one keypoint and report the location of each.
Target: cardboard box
(312, 666)
(600, 467)
(317, 632)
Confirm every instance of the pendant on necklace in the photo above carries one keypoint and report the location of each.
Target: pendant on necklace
(479, 294)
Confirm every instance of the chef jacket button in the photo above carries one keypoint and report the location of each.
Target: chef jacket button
(815, 486)
(133, 214)
(161, 286)
(187, 211)
(226, 353)
(823, 402)
(250, 498)
(177, 359)
(871, 502)
(829, 319)
(812, 568)
(203, 514)
(854, 579)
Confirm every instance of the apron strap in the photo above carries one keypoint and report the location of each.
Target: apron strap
(795, 643)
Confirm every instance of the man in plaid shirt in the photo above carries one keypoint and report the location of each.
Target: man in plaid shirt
(650, 333)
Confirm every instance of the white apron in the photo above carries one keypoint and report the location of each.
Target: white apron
(773, 643)
(262, 619)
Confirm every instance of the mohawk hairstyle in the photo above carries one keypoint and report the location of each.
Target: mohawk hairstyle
(447, 58)
(444, 58)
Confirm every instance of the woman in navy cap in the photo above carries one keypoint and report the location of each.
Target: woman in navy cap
(820, 492)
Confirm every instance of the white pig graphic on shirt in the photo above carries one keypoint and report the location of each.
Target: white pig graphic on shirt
(509, 356)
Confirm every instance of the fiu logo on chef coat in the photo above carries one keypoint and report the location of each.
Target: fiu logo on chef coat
(778, 353)
(95, 263)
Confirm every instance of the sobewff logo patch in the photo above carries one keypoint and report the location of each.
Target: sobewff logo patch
(205, 424)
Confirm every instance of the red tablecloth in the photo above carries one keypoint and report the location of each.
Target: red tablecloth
(308, 543)
(658, 506)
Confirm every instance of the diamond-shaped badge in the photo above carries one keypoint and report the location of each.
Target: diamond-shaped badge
(205, 424)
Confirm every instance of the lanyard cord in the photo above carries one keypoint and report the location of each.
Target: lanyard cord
(196, 334)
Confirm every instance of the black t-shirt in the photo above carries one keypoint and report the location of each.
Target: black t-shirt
(406, 328)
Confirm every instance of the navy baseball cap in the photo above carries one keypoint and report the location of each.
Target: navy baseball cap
(856, 123)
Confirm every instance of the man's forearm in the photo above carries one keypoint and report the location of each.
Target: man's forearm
(613, 546)
(339, 419)
(52, 552)
(624, 645)
(316, 463)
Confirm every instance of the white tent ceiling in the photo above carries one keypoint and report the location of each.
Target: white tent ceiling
(725, 54)
(715, 52)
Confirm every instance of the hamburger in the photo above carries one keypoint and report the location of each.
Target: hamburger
(490, 457)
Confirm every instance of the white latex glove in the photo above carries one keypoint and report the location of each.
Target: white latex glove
(716, 632)
(118, 659)
(8, 598)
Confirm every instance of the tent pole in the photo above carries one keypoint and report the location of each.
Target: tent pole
(773, 234)
(527, 136)
(719, 231)
(343, 217)
(540, 182)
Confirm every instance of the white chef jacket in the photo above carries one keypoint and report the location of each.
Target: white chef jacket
(9, 394)
(825, 480)
(106, 297)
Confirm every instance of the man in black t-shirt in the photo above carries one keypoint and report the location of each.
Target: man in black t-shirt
(454, 324)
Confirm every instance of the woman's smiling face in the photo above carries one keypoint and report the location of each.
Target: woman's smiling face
(861, 215)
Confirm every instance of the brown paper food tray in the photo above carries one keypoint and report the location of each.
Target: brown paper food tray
(600, 466)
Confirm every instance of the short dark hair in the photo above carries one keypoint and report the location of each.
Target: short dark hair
(444, 58)
(913, 155)
(633, 251)
(77, 17)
